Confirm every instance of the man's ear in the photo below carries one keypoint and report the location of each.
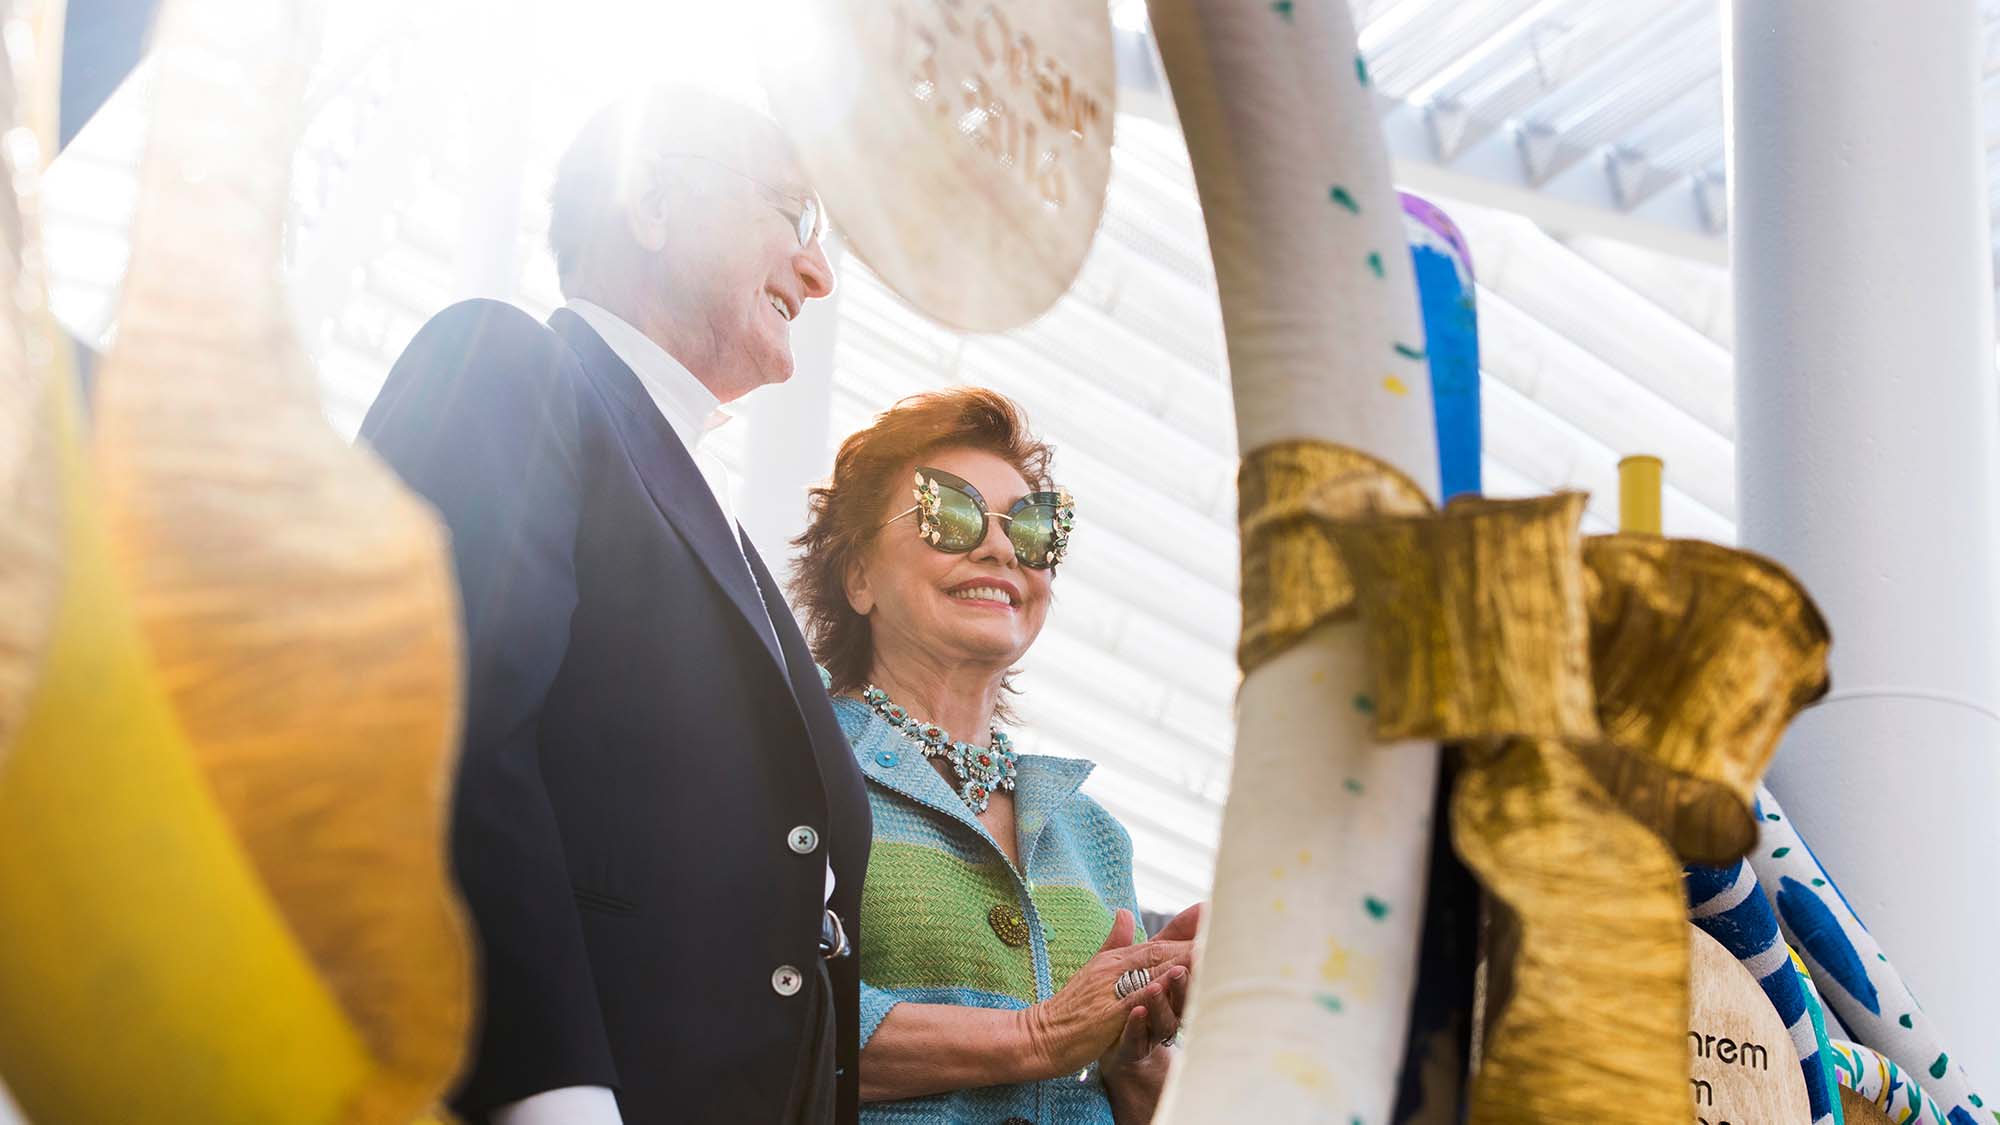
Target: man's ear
(860, 598)
(648, 207)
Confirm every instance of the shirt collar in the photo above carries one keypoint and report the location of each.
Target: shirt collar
(689, 407)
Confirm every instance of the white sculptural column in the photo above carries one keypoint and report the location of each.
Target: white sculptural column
(1867, 421)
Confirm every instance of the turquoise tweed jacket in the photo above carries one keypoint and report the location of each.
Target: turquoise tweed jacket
(947, 919)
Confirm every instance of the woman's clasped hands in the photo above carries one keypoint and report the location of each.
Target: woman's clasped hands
(1086, 1021)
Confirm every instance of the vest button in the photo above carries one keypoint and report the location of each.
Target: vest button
(786, 980)
(803, 839)
(1009, 924)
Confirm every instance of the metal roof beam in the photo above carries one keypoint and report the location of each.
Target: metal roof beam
(1578, 201)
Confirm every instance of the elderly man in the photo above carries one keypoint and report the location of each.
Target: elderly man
(658, 827)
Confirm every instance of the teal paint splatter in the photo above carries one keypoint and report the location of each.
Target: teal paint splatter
(1781, 853)
(1974, 1099)
(1375, 265)
(1819, 882)
(1328, 1001)
(1377, 909)
(1408, 352)
(1904, 1019)
(1361, 69)
(1938, 1067)
(1353, 785)
(1364, 704)
(1772, 816)
(1339, 195)
(1283, 8)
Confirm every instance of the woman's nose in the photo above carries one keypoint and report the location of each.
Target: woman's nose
(994, 546)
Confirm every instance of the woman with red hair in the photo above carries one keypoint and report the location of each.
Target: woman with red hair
(1000, 961)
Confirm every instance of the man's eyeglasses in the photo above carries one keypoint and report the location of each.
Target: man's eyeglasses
(807, 216)
(952, 515)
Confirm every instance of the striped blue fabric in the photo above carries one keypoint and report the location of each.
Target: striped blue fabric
(1726, 904)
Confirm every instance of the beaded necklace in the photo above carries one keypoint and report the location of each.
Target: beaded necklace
(980, 769)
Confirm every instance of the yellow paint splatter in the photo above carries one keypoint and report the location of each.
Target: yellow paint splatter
(1305, 857)
(1319, 676)
(1277, 873)
(1301, 1069)
(1278, 905)
(1335, 967)
(1286, 972)
(1394, 385)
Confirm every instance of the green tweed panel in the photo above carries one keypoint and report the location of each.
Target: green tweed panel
(923, 914)
(1075, 922)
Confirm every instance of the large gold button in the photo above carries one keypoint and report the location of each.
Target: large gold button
(1009, 924)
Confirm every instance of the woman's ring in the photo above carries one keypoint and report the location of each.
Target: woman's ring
(1130, 981)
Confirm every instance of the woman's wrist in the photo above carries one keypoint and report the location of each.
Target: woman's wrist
(1042, 1053)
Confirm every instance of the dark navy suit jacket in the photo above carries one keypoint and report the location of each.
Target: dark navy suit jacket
(636, 754)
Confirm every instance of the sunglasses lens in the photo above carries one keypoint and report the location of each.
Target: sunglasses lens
(1033, 532)
(961, 523)
(809, 222)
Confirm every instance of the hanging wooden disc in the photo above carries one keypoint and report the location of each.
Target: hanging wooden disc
(1744, 1067)
(962, 148)
(1859, 1110)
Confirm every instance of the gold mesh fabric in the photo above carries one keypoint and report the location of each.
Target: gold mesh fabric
(1289, 497)
(1701, 655)
(1474, 620)
(1587, 1012)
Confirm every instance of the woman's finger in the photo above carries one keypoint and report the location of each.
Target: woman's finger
(1162, 1021)
(1156, 953)
(1132, 1040)
(1178, 990)
(1183, 926)
(1152, 1000)
(1120, 937)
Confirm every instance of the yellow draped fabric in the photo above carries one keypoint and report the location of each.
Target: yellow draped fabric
(222, 815)
(146, 974)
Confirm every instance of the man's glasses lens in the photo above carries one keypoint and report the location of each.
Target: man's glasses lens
(808, 228)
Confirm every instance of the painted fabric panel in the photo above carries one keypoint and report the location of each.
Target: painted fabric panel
(1850, 969)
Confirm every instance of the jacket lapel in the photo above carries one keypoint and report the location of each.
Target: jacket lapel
(1042, 786)
(675, 483)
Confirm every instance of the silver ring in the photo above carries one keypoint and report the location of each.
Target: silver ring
(1130, 981)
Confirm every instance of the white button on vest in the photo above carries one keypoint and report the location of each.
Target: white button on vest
(785, 980)
(803, 839)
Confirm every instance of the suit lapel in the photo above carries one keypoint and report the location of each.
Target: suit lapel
(671, 477)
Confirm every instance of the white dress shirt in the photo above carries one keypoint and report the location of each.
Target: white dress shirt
(692, 410)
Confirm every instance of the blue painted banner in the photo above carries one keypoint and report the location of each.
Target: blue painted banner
(1451, 331)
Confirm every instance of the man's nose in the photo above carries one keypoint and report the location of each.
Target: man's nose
(814, 270)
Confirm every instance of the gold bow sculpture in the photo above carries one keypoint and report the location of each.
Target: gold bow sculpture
(226, 742)
(1617, 699)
